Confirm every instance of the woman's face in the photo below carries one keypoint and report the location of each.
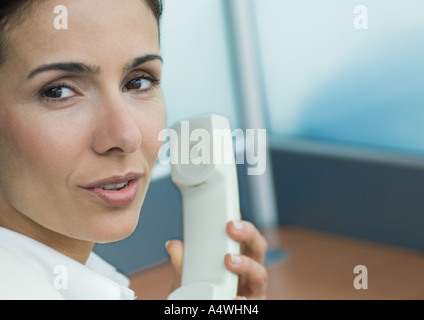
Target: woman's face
(80, 114)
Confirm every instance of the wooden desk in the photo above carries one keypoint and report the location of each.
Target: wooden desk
(319, 266)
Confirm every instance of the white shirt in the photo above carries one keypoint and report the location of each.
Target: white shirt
(96, 280)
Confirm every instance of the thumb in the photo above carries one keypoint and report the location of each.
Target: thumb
(175, 249)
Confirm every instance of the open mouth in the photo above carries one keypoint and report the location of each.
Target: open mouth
(114, 187)
(115, 191)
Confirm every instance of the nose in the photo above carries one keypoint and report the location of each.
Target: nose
(116, 129)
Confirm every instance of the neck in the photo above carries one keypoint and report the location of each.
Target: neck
(77, 250)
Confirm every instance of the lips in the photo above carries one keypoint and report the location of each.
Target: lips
(116, 191)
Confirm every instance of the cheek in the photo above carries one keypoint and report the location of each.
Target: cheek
(151, 125)
(29, 170)
(38, 148)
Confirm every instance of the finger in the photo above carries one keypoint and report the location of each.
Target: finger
(175, 249)
(253, 243)
(255, 275)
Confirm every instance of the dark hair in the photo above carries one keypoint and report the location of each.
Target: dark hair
(157, 8)
(12, 13)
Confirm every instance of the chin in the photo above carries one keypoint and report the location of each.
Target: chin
(114, 228)
(115, 234)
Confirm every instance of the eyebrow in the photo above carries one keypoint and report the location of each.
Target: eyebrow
(81, 68)
(140, 61)
(72, 67)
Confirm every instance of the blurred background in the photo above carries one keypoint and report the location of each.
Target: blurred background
(340, 90)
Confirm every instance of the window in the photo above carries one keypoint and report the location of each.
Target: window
(326, 78)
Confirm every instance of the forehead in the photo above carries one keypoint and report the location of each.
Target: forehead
(96, 30)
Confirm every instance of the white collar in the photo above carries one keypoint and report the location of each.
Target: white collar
(96, 280)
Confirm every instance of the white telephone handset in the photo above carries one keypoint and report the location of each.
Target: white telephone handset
(208, 183)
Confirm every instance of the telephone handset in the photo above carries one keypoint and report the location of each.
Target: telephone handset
(206, 176)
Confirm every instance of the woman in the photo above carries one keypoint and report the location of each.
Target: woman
(80, 113)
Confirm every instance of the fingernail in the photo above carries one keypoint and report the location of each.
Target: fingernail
(236, 259)
(238, 225)
(167, 244)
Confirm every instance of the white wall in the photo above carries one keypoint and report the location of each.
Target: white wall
(198, 75)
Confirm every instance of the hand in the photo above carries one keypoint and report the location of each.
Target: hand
(253, 277)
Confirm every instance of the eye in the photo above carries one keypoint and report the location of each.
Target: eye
(140, 84)
(59, 93)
